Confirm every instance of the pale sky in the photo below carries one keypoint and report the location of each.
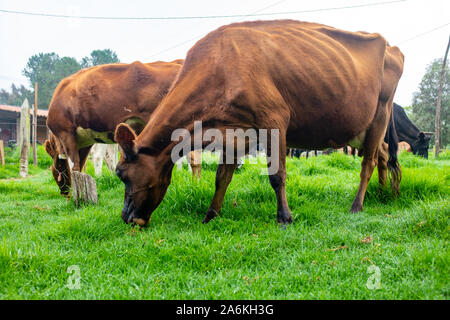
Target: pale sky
(21, 36)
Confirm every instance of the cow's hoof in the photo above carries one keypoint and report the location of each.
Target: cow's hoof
(284, 219)
(210, 214)
(356, 208)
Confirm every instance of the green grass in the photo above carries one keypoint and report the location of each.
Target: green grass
(243, 254)
(12, 156)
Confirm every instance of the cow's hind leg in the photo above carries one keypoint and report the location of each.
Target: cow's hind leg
(383, 157)
(224, 175)
(276, 164)
(373, 138)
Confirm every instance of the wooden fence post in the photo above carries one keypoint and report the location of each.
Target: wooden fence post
(84, 190)
(18, 133)
(2, 153)
(25, 137)
(34, 134)
(35, 124)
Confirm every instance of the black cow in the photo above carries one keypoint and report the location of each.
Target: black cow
(408, 132)
(293, 152)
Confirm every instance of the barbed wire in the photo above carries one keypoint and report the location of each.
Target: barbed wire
(14, 124)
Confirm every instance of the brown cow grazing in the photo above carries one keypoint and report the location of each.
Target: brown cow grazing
(319, 86)
(88, 105)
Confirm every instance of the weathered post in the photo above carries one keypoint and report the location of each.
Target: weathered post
(18, 130)
(33, 136)
(2, 153)
(84, 189)
(35, 125)
(24, 144)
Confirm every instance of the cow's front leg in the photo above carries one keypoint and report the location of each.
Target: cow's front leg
(70, 146)
(224, 175)
(83, 155)
(276, 164)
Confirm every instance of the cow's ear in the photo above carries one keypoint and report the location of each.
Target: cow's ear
(125, 137)
(49, 148)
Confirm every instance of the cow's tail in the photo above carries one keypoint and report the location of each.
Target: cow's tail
(393, 164)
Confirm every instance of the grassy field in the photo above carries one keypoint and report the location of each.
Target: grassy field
(327, 253)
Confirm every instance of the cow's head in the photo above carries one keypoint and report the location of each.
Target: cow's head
(421, 145)
(146, 175)
(60, 168)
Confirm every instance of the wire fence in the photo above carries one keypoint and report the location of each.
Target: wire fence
(14, 123)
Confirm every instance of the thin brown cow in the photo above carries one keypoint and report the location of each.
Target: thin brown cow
(88, 105)
(319, 86)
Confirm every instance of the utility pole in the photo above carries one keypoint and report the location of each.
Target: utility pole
(35, 124)
(439, 102)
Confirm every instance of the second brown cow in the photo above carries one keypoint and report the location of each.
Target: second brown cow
(87, 106)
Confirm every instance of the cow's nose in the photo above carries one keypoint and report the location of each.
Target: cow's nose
(127, 214)
(139, 221)
(128, 218)
(128, 211)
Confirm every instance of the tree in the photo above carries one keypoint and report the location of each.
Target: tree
(48, 69)
(40, 68)
(16, 96)
(66, 66)
(425, 101)
(99, 57)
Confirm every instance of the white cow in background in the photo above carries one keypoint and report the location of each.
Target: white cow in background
(108, 152)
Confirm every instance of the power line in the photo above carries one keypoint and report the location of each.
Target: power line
(49, 15)
(424, 33)
(270, 6)
(186, 41)
(266, 7)
(198, 36)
